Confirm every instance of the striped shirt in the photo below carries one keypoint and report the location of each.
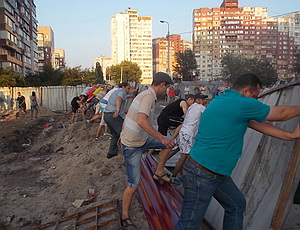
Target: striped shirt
(132, 134)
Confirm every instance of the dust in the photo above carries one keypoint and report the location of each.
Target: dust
(47, 163)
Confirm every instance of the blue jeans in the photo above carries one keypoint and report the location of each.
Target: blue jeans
(133, 156)
(199, 188)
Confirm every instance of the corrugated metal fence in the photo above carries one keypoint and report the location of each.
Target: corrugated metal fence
(56, 98)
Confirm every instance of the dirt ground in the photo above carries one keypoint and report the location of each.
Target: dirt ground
(41, 180)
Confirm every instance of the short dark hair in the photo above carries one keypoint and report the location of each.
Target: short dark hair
(156, 83)
(190, 96)
(245, 80)
(123, 84)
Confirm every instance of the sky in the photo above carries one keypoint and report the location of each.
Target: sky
(82, 27)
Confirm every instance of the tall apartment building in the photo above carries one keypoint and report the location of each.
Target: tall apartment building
(104, 62)
(160, 52)
(247, 31)
(59, 59)
(131, 38)
(45, 47)
(18, 32)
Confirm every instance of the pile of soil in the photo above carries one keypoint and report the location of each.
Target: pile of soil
(47, 163)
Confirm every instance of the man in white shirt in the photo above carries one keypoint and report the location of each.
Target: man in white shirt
(189, 130)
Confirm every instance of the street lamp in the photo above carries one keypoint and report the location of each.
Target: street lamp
(168, 37)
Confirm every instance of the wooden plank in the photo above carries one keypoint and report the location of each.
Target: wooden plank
(286, 187)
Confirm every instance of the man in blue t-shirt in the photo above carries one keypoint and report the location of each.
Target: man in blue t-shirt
(218, 146)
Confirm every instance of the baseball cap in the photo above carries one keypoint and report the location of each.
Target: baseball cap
(201, 96)
(162, 77)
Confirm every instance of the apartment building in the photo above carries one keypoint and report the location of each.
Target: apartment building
(160, 52)
(104, 62)
(131, 37)
(59, 59)
(18, 32)
(45, 47)
(247, 31)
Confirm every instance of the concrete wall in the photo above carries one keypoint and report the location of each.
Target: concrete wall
(56, 98)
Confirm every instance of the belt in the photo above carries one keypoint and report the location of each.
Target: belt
(201, 167)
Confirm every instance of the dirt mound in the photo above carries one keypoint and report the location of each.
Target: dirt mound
(47, 163)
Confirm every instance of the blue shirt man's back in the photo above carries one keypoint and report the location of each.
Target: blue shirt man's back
(219, 141)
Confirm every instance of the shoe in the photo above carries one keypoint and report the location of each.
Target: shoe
(110, 156)
(106, 134)
(87, 121)
(127, 224)
(97, 138)
(162, 178)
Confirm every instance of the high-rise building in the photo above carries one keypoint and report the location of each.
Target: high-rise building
(131, 38)
(104, 62)
(160, 52)
(247, 31)
(45, 47)
(18, 32)
(59, 59)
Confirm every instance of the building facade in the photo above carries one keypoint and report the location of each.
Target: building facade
(131, 38)
(46, 55)
(247, 31)
(59, 59)
(160, 52)
(18, 33)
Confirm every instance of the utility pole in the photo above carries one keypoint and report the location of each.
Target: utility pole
(168, 37)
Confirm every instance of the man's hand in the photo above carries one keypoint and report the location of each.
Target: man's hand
(296, 132)
(115, 115)
(169, 143)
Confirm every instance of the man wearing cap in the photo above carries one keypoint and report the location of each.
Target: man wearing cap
(188, 131)
(139, 135)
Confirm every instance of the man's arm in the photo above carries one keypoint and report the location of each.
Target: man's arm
(144, 123)
(271, 130)
(283, 113)
(118, 106)
(184, 106)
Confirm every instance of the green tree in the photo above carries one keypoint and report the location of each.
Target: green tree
(236, 65)
(128, 70)
(10, 78)
(47, 77)
(76, 76)
(297, 62)
(186, 63)
(99, 73)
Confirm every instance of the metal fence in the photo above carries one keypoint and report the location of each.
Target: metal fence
(56, 98)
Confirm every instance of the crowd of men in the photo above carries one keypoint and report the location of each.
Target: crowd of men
(208, 153)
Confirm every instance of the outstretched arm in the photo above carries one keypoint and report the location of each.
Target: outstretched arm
(283, 113)
(271, 130)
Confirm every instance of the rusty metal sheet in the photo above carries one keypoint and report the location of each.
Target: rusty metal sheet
(161, 202)
(104, 216)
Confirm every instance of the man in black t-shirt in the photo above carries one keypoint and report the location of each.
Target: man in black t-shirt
(22, 104)
(172, 114)
(77, 103)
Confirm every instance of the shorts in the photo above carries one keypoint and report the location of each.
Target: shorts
(102, 106)
(74, 108)
(132, 156)
(33, 107)
(185, 142)
(102, 122)
(97, 111)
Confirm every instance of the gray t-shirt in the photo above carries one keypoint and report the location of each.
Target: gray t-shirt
(112, 102)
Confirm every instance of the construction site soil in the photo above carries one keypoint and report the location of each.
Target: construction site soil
(47, 163)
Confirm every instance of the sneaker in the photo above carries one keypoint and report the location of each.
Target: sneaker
(87, 121)
(106, 134)
(97, 138)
